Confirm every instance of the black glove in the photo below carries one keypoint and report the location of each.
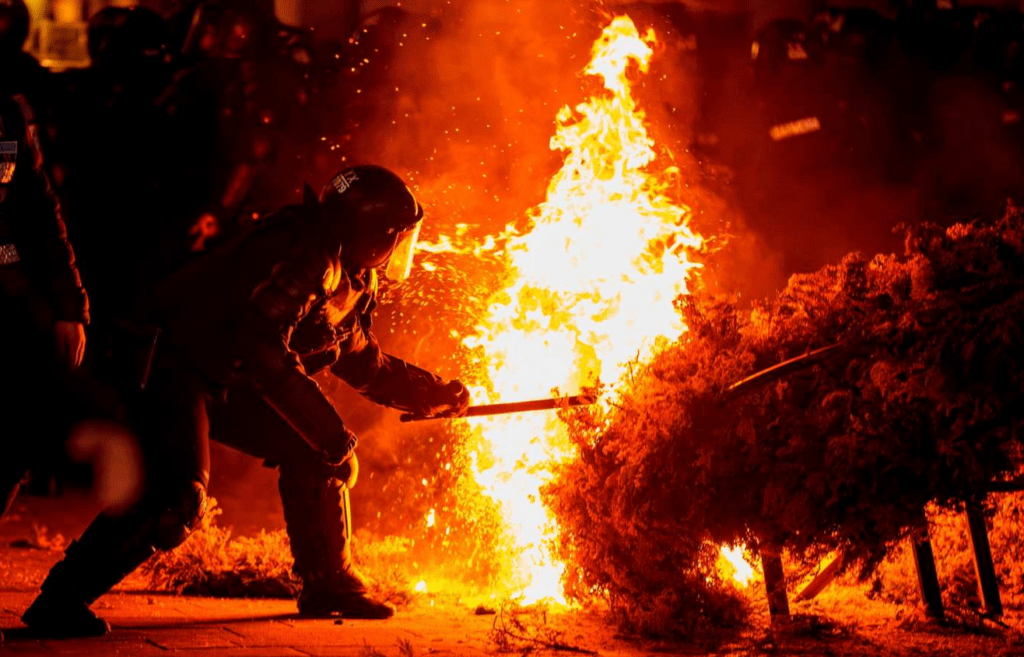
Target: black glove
(449, 399)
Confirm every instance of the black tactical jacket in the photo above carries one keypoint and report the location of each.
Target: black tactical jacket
(31, 225)
(275, 307)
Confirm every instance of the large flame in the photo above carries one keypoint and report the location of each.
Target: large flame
(592, 289)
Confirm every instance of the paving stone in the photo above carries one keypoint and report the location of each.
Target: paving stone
(100, 648)
(320, 632)
(191, 638)
(390, 650)
(240, 652)
(24, 648)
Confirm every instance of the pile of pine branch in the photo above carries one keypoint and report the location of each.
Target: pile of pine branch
(921, 402)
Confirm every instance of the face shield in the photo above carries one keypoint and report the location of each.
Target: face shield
(400, 263)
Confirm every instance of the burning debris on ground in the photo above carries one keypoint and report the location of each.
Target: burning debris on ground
(619, 435)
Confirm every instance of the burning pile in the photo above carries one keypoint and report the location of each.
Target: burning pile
(593, 283)
(923, 402)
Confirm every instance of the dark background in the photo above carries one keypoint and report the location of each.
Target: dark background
(916, 125)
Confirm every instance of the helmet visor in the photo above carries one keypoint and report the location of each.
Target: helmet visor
(400, 264)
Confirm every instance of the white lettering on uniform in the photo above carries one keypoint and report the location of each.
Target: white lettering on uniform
(344, 180)
(795, 128)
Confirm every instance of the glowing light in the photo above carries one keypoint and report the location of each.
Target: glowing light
(431, 518)
(733, 563)
(593, 286)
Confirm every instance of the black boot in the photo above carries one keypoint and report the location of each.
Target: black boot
(342, 595)
(110, 549)
(316, 512)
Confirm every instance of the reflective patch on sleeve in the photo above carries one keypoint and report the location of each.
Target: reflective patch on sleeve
(8, 160)
(795, 128)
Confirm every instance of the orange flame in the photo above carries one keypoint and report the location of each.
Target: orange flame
(593, 285)
(732, 563)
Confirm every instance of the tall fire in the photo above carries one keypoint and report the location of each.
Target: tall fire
(592, 291)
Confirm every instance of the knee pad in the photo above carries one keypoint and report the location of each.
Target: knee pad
(314, 468)
(181, 516)
(348, 472)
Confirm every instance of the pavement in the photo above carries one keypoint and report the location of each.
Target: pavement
(148, 623)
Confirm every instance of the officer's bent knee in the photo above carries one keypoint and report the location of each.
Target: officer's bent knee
(180, 516)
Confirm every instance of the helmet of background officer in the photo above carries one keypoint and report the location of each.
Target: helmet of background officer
(859, 34)
(375, 216)
(126, 38)
(14, 21)
(229, 29)
(933, 5)
(784, 42)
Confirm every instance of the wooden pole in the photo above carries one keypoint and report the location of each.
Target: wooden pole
(775, 582)
(927, 575)
(984, 567)
(823, 579)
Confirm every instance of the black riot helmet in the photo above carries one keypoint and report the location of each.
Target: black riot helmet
(13, 26)
(229, 29)
(376, 216)
(785, 43)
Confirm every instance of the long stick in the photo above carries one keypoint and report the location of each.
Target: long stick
(779, 371)
(515, 407)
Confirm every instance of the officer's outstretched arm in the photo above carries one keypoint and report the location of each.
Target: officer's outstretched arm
(395, 383)
(276, 308)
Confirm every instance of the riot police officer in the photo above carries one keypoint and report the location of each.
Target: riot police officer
(245, 85)
(139, 160)
(22, 73)
(41, 295)
(248, 324)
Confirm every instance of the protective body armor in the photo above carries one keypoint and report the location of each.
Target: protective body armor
(32, 230)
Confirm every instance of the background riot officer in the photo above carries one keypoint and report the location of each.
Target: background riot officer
(22, 74)
(41, 295)
(244, 86)
(248, 324)
(105, 189)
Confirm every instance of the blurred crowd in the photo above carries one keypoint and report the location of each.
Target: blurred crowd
(933, 95)
(185, 126)
(835, 126)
